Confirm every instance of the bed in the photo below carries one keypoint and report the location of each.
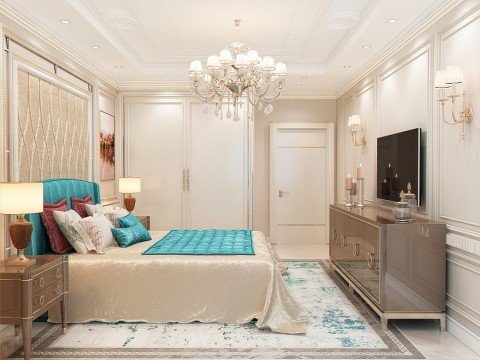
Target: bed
(124, 285)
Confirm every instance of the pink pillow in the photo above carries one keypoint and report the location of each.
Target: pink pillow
(58, 241)
(79, 205)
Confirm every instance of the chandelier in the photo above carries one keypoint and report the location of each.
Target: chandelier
(238, 73)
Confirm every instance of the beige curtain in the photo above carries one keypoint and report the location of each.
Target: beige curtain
(52, 131)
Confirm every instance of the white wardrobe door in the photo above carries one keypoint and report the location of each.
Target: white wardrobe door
(154, 139)
(218, 171)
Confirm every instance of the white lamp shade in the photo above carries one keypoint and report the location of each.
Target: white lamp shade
(440, 79)
(454, 75)
(225, 57)
(213, 63)
(241, 61)
(268, 63)
(253, 58)
(280, 69)
(129, 185)
(196, 67)
(21, 198)
(354, 120)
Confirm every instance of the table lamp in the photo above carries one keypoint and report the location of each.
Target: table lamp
(20, 199)
(129, 185)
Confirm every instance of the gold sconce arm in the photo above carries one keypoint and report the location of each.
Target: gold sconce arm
(362, 142)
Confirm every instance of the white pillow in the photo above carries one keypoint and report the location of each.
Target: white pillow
(110, 214)
(95, 209)
(76, 236)
(98, 228)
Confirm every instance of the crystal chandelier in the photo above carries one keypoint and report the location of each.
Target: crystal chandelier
(238, 73)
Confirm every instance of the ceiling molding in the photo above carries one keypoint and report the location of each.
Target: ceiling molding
(308, 95)
(14, 16)
(340, 47)
(322, 12)
(415, 31)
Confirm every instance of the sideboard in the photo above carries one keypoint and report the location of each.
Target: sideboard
(399, 269)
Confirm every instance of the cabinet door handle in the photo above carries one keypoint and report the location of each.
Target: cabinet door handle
(334, 234)
(57, 273)
(354, 249)
(57, 290)
(343, 242)
(371, 260)
(42, 300)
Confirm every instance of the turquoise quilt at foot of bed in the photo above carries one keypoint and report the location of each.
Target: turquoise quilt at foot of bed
(204, 242)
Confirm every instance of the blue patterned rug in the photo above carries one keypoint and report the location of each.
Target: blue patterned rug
(342, 326)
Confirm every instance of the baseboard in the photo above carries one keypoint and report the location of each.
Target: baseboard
(464, 335)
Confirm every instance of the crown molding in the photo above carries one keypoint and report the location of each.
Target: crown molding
(311, 95)
(416, 31)
(20, 20)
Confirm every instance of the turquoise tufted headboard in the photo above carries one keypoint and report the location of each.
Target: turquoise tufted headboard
(55, 190)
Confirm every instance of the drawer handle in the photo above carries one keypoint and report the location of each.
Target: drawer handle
(57, 289)
(343, 241)
(355, 249)
(42, 300)
(57, 274)
(39, 282)
(334, 234)
(371, 260)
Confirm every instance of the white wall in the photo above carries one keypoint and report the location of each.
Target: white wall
(285, 111)
(399, 95)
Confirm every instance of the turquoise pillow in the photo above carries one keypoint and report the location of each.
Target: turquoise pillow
(128, 221)
(132, 235)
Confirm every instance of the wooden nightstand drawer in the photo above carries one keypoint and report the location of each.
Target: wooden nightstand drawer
(46, 278)
(145, 220)
(45, 296)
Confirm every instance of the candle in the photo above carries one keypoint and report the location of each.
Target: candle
(348, 182)
(396, 182)
(389, 171)
(385, 189)
(360, 172)
(353, 191)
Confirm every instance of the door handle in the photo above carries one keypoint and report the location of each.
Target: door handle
(371, 260)
(281, 193)
(355, 249)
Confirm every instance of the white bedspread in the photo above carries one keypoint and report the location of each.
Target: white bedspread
(123, 285)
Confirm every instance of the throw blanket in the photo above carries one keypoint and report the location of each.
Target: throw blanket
(204, 242)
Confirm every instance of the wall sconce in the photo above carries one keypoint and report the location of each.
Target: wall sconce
(354, 125)
(449, 79)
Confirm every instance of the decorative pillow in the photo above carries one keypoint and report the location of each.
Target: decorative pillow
(98, 229)
(58, 241)
(95, 209)
(115, 214)
(79, 205)
(128, 221)
(132, 235)
(76, 235)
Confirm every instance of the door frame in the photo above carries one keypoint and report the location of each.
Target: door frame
(330, 167)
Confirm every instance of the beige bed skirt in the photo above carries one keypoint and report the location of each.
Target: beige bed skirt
(123, 285)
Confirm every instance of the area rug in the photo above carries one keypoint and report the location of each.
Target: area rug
(341, 327)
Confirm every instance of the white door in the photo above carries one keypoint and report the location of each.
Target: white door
(154, 144)
(218, 171)
(301, 187)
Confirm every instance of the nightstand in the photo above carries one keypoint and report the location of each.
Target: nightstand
(28, 292)
(145, 220)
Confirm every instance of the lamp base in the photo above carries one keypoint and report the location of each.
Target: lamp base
(21, 260)
(129, 202)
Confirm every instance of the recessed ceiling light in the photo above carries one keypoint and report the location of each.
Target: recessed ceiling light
(392, 21)
(304, 77)
(299, 86)
(367, 46)
(119, 67)
(347, 66)
(65, 21)
(95, 47)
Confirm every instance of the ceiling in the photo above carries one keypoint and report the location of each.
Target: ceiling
(150, 43)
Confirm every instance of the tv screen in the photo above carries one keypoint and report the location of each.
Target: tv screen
(398, 163)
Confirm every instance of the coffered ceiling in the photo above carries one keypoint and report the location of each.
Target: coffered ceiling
(150, 43)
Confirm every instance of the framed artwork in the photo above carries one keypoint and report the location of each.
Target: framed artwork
(107, 146)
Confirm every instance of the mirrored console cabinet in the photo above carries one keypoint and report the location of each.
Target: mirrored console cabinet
(399, 269)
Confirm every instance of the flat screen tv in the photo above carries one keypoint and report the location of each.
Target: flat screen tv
(398, 163)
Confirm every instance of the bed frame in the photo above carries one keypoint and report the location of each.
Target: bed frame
(55, 190)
